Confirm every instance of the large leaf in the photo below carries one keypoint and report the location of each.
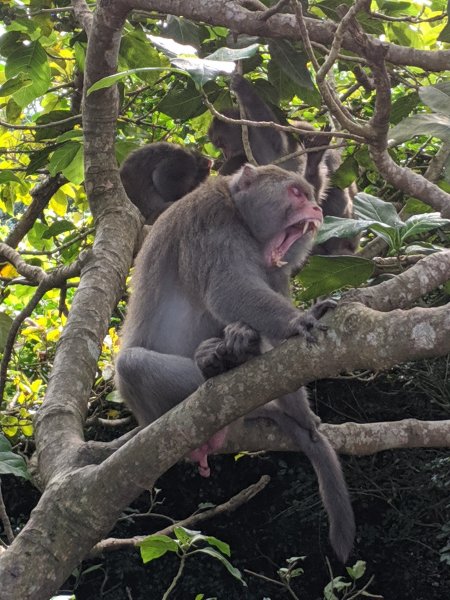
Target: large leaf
(433, 124)
(341, 228)
(346, 174)
(182, 30)
(182, 101)
(155, 546)
(10, 463)
(293, 63)
(437, 97)
(5, 326)
(68, 159)
(32, 62)
(136, 52)
(418, 224)
(372, 208)
(325, 274)
(14, 84)
(233, 54)
(202, 70)
(235, 572)
(57, 228)
(171, 48)
(403, 106)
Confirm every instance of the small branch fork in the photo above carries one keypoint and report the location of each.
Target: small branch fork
(45, 282)
(374, 133)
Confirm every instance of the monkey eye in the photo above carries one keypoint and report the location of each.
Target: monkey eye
(296, 191)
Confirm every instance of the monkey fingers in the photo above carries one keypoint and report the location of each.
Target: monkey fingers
(209, 357)
(321, 307)
(241, 342)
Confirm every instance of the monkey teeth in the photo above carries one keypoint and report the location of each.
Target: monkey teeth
(280, 263)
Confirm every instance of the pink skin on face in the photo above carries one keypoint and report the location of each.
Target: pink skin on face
(200, 455)
(307, 217)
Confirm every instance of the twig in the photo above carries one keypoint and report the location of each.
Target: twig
(111, 544)
(278, 127)
(273, 10)
(74, 119)
(5, 519)
(330, 97)
(47, 282)
(41, 195)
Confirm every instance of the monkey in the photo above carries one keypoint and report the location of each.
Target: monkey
(159, 174)
(268, 145)
(224, 254)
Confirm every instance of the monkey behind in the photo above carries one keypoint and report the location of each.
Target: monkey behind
(158, 174)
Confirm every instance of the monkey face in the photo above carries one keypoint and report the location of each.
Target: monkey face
(279, 209)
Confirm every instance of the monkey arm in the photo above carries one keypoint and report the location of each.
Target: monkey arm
(250, 299)
(267, 144)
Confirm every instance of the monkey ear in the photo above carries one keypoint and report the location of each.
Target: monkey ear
(244, 178)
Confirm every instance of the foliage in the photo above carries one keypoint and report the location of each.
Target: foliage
(167, 66)
(186, 544)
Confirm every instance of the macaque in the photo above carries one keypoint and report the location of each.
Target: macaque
(216, 265)
(158, 174)
(268, 145)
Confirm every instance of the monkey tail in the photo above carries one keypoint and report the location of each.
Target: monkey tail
(333, 490)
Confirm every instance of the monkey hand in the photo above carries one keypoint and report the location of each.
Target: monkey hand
(208, 357)
(239, 344)
(307, 324)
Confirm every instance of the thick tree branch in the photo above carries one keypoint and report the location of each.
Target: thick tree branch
(284, 26)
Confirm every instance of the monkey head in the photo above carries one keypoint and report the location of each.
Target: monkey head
(226, 136)
(279, 209)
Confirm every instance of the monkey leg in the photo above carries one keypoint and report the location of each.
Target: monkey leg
(219, 355)
(294, 416)
(239, 344)
(152, 383)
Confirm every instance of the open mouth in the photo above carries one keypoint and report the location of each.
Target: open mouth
(281, 243)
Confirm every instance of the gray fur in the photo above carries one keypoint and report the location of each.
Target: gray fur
(268, 145)
(202, 277)
(158, 174)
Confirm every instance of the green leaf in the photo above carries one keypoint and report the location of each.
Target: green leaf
(136, 52)
(293, 63)
(403, 106)
(155, 546)
(233, 54)
(32, 62)
(14, 84)
(370, 207)
(358, 570)
(346, 174)
(53, 131)
(10, 463)
(6, 175)
(106, 82)
(418, 224)
(171, 48)
(186, 536)
(57, 228)
(202, 70)
(433, 124)
(325, 274)
(182, 101)
(114, 396)
(341, 228)
(437, 97)
(39, 159)
(182, 31)
(5, 326)
(235, 572)
(68, 159)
